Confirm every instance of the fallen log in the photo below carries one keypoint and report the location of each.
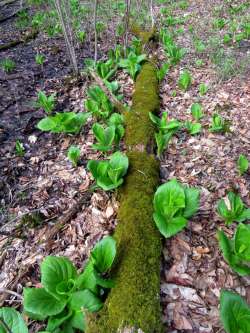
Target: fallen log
(23, 39)
(8, 17)
(133, 305)
(6, 2)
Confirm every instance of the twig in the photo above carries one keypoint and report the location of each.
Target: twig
(128, 4)
(7, 291)
(120, 107)
(152, 13)
(95, 19)
(66, 28)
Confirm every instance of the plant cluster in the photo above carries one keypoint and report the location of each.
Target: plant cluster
(98, 103)
(8, 65)
(65, 295)
(109, 173)
(174, 52)
(64, 122)
(167, 128)
(174, 204)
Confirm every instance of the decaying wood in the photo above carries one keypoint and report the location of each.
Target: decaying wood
(6, 2)
(22, 40)
(119, 106)
(8, 17)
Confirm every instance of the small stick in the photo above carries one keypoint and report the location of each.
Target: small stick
(7, 291)
(120, 107)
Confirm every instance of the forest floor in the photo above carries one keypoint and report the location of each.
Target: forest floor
(44, 186)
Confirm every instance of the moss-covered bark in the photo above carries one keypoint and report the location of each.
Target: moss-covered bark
(133, 305)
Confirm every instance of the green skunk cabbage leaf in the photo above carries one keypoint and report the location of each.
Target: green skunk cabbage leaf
(85, 299)
(233, 209)
(58, 275)
(173, 205)
(109, 174)
(242, 241)
(39, 302)
(13, 320)
(104, 254)
(242, 164)
(230, 253)
(234, 313)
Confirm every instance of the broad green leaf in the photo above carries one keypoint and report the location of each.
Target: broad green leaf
(85, 299)
(56, 321)
(226, 245)
(232, 209)
(156, 120)
(118, 166)
(87, 279)
(116, 119)
(196, 110)
(234, 313)
(46, 124)
(74, 155)
(40, 302)
(93, 168)
(54, 271)
(78, 321)
(192, 199)
(104, 254)
(105, 137)
(242, 164)
(162, 141)
(245, 215)
(185, 80)
(170, 227)
(13, 320)
(169, 199)
(242, 241)
(193, 128)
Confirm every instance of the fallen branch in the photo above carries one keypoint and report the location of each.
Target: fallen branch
(21, 40)
(8, 17)
(13, 293)
(119, 106)
(6, 2)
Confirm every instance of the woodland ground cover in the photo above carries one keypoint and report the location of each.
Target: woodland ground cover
(202, 138)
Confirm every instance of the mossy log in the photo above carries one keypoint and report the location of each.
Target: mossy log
(133, 305)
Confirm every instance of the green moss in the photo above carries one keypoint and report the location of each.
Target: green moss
(144, 36)
(139, 128)
(134, 302)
